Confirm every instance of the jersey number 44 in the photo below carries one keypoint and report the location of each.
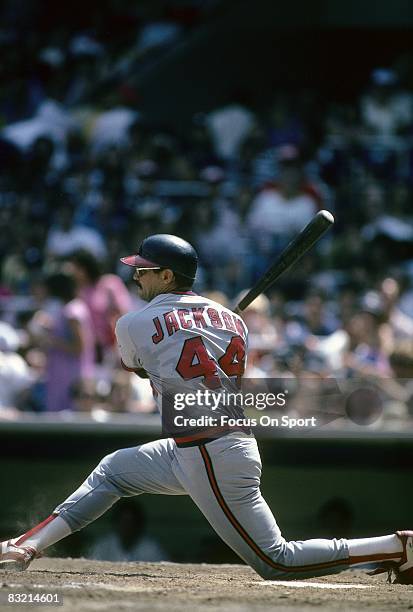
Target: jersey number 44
(195, 361)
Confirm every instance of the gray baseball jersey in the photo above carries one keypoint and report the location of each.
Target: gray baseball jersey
(185, 343)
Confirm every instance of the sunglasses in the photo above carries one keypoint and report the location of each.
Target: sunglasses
(141, 271)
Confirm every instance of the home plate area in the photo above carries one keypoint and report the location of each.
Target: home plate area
(80, 584)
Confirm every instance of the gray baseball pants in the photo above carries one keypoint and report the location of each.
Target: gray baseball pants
(223, 478)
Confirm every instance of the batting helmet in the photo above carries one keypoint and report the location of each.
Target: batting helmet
(165, 251)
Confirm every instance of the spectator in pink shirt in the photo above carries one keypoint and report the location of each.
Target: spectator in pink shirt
(65, 333)
(106, 297)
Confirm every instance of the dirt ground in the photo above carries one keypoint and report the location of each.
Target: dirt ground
(95, 585)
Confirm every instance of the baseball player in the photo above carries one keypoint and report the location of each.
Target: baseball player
(181, 340)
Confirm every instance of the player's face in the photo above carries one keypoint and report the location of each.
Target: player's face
(149, 283)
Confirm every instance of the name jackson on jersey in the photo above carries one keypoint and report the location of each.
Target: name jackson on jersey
(196, 317)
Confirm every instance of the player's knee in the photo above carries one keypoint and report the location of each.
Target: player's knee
(268, 572)
(105, 466)
(276, 566)
(277, 573)
(122, 460)
(265, 573)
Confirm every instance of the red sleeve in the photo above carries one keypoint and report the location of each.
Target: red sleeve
(138, 371)
(125, 367)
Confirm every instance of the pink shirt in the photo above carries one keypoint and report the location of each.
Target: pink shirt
(107, 300)
(64, 370)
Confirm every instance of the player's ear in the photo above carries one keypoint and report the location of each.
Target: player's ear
(167, 275)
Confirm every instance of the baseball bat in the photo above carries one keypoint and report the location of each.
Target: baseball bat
(303, 242)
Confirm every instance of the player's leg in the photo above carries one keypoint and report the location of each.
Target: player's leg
(126, 472)
(223, 479)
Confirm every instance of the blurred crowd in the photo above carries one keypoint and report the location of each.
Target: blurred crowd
(85, 176)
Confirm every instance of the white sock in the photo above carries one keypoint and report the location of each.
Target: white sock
(50, 531)
(383, 548)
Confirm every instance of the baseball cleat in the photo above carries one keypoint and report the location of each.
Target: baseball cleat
(16, 558)
(403, 569)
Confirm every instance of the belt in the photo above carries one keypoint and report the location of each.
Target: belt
(201, 438)
(197, 442)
